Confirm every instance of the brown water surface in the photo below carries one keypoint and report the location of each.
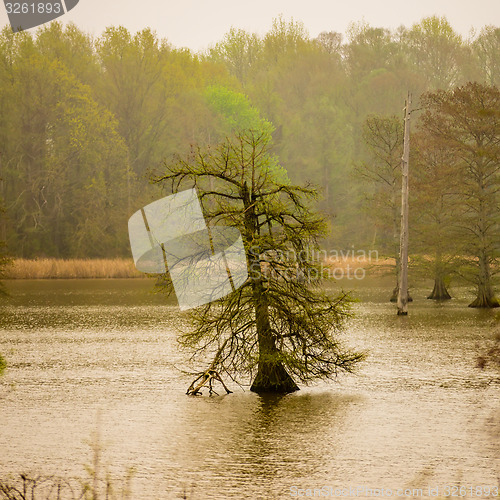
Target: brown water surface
(84, 354)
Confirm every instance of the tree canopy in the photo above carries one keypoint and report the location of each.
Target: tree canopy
(466, 123)
(279, 327)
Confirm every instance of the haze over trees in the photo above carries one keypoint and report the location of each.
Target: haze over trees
(84, 120)
(434, 210)
(466, 124)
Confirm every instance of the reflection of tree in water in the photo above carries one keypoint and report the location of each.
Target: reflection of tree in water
(295, 436)
(258, 444)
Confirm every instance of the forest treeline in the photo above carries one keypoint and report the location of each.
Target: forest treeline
(84, 121)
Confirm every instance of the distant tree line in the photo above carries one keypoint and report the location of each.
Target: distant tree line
(84, 120)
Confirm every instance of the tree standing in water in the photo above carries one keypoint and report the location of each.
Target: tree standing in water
(466, 121)
(279, 327)
(383, 139)
(436, 204)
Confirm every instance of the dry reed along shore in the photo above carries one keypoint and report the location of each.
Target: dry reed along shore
(124, 268)
(72, 268)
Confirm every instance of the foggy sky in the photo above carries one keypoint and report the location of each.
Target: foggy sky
(197, 24)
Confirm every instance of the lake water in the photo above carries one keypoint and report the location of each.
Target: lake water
(100, 356)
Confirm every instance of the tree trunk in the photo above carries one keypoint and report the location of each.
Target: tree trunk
(402, 299)
(272, 377)
(439, 291)
(271, 374)
(485, 296)
(395, 292)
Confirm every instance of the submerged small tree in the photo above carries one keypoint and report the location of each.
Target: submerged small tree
(279, 327)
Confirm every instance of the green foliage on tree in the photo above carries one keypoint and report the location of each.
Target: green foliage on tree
(85, 135)
(65, 166)
(437, 51)
(136, 91)
(240, 51)
(435, 203)
(466, 122)
(280, 327)
(486, 54)
(236, 110)
(236, 115)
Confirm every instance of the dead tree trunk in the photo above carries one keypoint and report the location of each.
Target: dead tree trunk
(403, 256)
(206, 379)
(395, 291)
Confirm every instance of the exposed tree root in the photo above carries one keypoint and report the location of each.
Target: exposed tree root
(394, 296)
(205, 379)
(273, 377)
(485, 300)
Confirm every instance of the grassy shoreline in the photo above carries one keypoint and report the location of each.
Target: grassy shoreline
(72, 268)
(124, 268)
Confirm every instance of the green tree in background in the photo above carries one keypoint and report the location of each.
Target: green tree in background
(59, 148)
(73, 49)
(5, 260)
(144, 83)
(436, 51)
(136, 91)
(84, 134)
(236, 111)
(239, 51)
(486, 53)
(33, 85)
(155, 101)
(237, 115)
(369, 50)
